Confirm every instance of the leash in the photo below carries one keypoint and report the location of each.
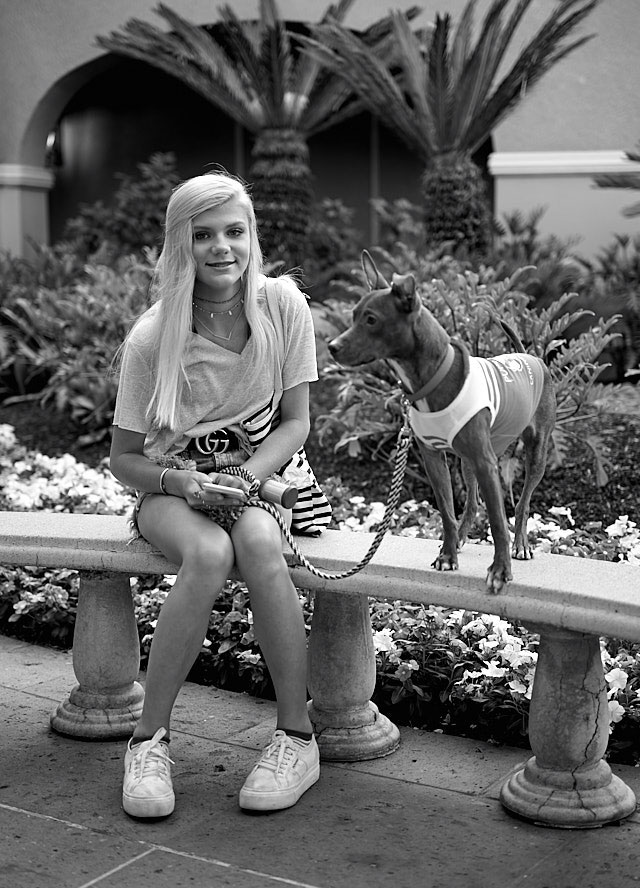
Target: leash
(402, 454)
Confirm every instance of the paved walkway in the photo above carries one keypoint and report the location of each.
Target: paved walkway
(428, 815)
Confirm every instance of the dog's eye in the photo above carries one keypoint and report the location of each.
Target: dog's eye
(370, 320)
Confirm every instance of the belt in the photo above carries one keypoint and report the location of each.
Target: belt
(219, 441)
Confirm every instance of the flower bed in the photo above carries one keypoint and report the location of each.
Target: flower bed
(437, 668)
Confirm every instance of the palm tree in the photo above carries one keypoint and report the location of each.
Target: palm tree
(254, 72)
(441, 95)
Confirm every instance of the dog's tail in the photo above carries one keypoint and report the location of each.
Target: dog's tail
(513, 336)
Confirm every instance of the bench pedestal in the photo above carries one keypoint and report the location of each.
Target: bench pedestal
(342, 678)
(107, 701)
(567, 783)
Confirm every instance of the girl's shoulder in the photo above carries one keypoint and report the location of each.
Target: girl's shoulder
(286, 289)
(142, 335)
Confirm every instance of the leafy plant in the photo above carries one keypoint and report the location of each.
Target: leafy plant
(68, 338)
(133, 220)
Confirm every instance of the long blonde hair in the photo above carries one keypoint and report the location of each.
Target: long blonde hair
(174, 279)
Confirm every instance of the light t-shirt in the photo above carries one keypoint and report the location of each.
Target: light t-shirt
(225, 388)
(509, 385)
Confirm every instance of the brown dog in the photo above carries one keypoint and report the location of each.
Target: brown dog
(473, 407)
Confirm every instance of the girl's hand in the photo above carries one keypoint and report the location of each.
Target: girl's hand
(192, 487)
(220, 489)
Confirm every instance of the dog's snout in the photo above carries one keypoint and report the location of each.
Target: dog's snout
(333, 347)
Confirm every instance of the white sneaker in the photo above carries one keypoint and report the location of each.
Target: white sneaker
(286, 770)
(147, 789)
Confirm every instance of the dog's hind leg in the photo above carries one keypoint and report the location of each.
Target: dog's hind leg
(536, 446)
(471, 504)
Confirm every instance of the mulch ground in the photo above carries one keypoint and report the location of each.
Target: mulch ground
(573, 484)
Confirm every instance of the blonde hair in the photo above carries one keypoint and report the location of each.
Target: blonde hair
(173, 283)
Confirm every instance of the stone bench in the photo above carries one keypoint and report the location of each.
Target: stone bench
(570, 601)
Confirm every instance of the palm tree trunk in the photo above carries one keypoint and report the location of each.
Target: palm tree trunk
(456, 204)
(282, 193)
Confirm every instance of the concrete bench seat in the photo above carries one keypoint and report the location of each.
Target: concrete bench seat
(570, 601)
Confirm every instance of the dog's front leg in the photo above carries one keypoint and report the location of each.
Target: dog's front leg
(439, 477)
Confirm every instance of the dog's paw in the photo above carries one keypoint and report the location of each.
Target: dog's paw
(522, 551)
(497, 579)
(445, 562)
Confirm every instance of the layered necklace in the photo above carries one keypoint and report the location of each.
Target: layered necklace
(226, 337)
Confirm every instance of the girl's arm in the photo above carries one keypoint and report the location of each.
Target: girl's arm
(129, 465)
(280, 445)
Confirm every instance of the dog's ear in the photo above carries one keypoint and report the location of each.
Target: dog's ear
(403, 290)
(375, 280)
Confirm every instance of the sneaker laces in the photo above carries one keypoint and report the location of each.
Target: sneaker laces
(150, 759)
(280, 755)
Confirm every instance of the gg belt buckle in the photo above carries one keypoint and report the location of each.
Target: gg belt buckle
(213, 442)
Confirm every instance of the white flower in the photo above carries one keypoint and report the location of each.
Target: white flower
(383, 642)
(616, 712)
(620, 527)
(617, 680)
(562, 511)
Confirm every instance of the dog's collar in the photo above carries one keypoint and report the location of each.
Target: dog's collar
(441, 371)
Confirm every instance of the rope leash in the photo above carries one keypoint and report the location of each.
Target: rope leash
(402, 454)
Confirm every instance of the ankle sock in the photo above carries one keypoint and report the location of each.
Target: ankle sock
(299, 735)
(135, 741)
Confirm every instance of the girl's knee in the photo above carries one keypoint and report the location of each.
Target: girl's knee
(209, 562)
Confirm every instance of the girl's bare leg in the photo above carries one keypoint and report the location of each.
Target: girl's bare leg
(205, 555)
(278, 618)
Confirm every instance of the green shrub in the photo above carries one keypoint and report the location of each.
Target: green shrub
(67, 338)
(134, 218)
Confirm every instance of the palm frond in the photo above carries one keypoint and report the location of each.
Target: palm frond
(542, 53)
(346, 55)
(439, 88)
(308, 69)
(414, 67)
(202, 66)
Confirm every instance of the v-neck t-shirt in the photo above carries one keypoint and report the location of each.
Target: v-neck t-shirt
(223, 388)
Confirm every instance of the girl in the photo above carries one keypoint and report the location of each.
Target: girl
(216, 374)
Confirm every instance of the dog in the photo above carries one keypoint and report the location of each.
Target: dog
(470, 406)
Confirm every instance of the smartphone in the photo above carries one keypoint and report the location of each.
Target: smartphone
(233, 492)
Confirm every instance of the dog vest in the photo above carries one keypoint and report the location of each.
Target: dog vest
(509, 385)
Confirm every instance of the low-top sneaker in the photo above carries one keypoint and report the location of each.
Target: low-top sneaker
(147, 790)
(286, 770)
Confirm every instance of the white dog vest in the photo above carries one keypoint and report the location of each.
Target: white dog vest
(509, 385)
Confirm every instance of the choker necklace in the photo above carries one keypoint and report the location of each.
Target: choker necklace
(220, 335)
(224, 301)
(212, 314)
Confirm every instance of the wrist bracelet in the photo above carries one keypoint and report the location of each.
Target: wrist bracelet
(163, 489)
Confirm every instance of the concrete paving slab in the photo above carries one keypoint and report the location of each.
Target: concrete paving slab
(41, 852)
(215, 714)
(30, 666)
(428, 815)
(164, 868)
(455, 763)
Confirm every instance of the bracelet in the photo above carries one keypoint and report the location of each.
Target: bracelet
(163, 489)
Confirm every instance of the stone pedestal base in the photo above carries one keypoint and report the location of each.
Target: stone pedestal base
(555, 798)
(107, 701)
(342, 677)
(354, 736)
(567, 783)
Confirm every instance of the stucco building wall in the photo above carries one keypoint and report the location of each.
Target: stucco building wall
(581, 117)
